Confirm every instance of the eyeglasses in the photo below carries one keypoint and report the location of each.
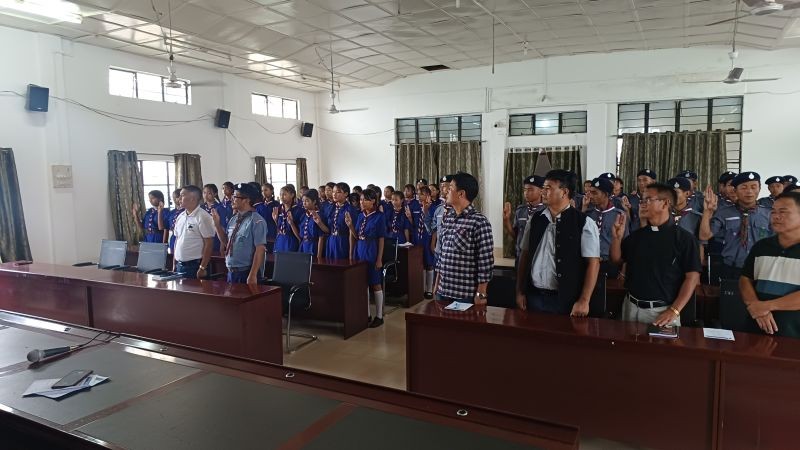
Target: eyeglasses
(647, 200)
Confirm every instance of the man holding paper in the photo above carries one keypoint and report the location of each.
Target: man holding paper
(770, 281)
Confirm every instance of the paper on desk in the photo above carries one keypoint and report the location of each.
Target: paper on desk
(718, 333)
(458, 306)
(45, 389)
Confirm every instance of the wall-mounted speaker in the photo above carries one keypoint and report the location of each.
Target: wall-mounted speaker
(38, 98)
(306, 129)
(223, 118)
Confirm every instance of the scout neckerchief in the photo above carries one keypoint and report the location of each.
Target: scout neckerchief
(532, 208)
(240, 217)
(683, 212)
(362, 230)
(282, 215)
(307, 229)
(744, 236)
(335, 222)
(602, 216)
(395, 219)
(151, 219)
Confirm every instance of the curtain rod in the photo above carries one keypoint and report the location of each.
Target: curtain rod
(554, 148)
(397, 145)
(724, 131)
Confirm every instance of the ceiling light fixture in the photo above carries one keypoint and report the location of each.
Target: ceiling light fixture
(43, 11)
(525, 48)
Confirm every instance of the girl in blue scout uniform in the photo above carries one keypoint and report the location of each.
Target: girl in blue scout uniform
(287, 216)
(435, 196)
(211, 202)
(155, 218)
(387, 198)
(397, 224)
(424, 239)
(337, 244)
(366, 243)
(268, 205)
(413, 210)
(173, 215)
(355, 201)
(227, 197)
(313, 227)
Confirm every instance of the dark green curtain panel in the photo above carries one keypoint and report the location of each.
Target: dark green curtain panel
(301, 172)
(13, 234)
(521, 163)
(188, 170)
(670, 153)
(464, 156)
(124, 191)
(261, 169)
(415, 161)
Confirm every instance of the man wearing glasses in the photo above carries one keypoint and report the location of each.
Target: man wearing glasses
(246, 237)
(663, 261)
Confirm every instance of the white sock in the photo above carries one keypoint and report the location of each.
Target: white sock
(369, 313)
(428, 280)
(379, 304)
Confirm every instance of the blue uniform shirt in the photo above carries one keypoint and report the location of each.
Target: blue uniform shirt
(767, 202)
(173, 215)
(152, 233)
(369, 228)
(222, 212)
(521, 216)
(337, 246)
(396, 225)
(310, 232)
(438, 217)
(251, 233)
(689, 219)
(286, 241)
(605, 220)
(725, 225)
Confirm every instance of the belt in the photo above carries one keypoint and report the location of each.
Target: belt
(238, 269)
(189, 261)
(646, 304)
(544, 291)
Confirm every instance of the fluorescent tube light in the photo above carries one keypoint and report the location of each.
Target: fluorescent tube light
(43, 11)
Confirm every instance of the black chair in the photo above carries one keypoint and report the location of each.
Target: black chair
(689, 314)
(391, 272)
(597, 303)
(292, 272)
(502, 288)
(152, 258)
(733, 313)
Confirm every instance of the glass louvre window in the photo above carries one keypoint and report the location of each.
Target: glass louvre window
(273, 106)
(438, 129)
(146, 86)
(280, 174)
(547, 123)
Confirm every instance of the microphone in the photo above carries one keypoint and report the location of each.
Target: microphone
(38, 355)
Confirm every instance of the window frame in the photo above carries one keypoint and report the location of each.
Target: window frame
(283, 106)
(560, 128)
(272, 180)
(170, 183)
(405, 122)
(187, 86)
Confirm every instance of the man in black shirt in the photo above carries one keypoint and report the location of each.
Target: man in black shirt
(663, 264)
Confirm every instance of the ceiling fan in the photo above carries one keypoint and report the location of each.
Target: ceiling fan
(173, 81)
(333, 109)
(761, 8)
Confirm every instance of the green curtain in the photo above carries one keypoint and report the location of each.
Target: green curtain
(188, 170)
(301, 171)
(415, 161)
(13, 234)
(464, 156)
(521, 163)
(124, 191)
(669, 153)
(261, 169)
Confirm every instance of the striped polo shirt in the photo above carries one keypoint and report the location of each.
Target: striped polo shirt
(775, 272)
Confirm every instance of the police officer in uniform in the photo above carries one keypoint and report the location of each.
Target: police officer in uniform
(739, 226)
(775, 186)
(604, 214)
(515, 224)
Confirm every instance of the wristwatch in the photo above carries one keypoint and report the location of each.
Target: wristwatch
(202, 268)
(481, 295)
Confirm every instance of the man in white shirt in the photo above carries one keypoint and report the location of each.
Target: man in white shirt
(194, 233)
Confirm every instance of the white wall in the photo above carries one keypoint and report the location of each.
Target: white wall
(596, 83)
(65, 225)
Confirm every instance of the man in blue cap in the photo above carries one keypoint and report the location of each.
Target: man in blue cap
(789, 180)
(740, 226)
(696, 200)
(684, 214)
(245, 240)
(775, 186)
(604, 214)
(726, 193)
(630, 203)
(515, 225)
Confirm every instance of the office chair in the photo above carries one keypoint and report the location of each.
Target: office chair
(292, 272)
(112, 255)
(689, 314)
(391, 265)
(733, 313)
(597, 303)
(152, 258)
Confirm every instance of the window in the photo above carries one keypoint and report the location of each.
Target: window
(724, 113)
(146, 86)
(272, 106)
(158, 175)
(280, 174)
(547, 123)
(438, 129)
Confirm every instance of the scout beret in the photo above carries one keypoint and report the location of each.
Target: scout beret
(727, 176)
(534, 180)
(680, 183)
(247, 190)
(791, 179)
(607, 176)
(744, 177)
(687, 174)
(771, 180)
(603, 184)
(647, 173)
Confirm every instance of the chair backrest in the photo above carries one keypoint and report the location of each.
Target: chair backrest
(390, 251)
(152, 256)
(291, 268)
(689, 312)
(733, 313)
(597, 303)
(112, 253)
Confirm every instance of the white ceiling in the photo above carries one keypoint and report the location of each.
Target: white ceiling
(377, 41)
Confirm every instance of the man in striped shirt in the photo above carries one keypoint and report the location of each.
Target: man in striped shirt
(466, 260)
(770, 281)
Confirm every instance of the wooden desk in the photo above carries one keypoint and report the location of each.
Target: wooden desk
(339, 293)
(410, 276)
(188, 399)
(234, 319)
(610, 378)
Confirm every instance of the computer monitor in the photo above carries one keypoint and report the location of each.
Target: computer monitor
(152, 256)
(112, 254)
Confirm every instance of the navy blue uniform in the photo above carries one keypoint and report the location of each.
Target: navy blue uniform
(222, 212)
(337, 246)
(286, 241)
(369, 228)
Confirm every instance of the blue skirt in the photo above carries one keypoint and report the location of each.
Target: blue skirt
(286, 243)
(309, 246)
(337, 247)
(153, 236)
(368, 251)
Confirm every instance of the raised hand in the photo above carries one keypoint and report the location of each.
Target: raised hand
(408, 213)
(289, 217)
(160, 207)
(215, 216)
(619, 227)
(626, 203)
(275, 212)
(506, 211)
(347, 219)
(315, 216)
(711, 199)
